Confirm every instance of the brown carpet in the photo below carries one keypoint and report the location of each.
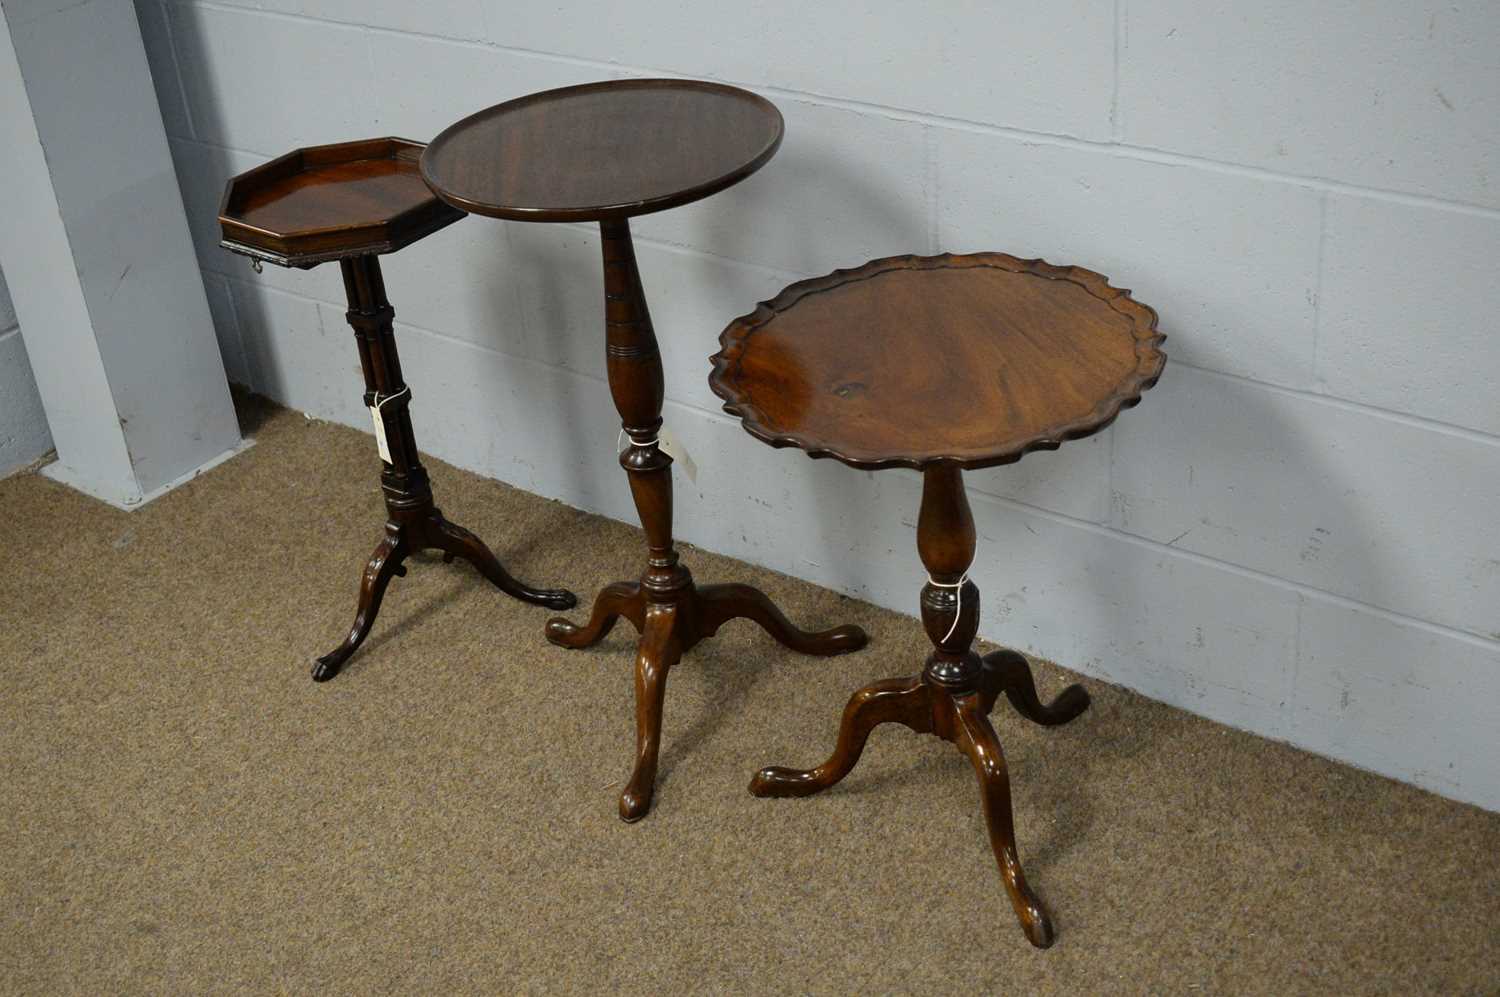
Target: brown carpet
(183, 811)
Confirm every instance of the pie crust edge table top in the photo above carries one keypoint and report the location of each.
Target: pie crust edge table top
(602, 151)
(820, 366)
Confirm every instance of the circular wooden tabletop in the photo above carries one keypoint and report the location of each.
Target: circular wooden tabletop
(911, 361)
(602, 151)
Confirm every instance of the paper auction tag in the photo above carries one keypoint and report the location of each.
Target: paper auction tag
(380, 440)
(673, 448)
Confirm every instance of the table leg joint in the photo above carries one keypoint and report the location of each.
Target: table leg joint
(414, 523)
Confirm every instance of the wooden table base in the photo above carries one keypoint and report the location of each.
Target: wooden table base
(670, 611)
(414, 524)
(670, 623)
(953, 696)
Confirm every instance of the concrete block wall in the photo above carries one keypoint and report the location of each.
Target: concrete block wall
(23, 424)
(1294, 534)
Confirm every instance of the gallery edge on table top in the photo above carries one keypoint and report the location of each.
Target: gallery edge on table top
(911, 361)
(331, 201)
(603, 151)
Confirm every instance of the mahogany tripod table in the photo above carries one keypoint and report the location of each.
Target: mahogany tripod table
(351, 202)
(604, 152)
(940, 364)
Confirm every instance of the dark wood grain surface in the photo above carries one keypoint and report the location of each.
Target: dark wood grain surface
(941, 363)
(351, 202)
(913, 360)
(413, 523)
(953, 696)
(669, 609)
(602, 151)
(332, 202)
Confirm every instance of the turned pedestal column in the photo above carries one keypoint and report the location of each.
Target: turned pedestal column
(670, 611)
(670, 142)
(351, 203)
(939, 364)
(413, 522)
(954, 694)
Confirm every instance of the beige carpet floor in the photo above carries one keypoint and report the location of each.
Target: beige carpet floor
(183, 811)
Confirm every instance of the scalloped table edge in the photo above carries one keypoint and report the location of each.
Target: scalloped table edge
(1150, 360)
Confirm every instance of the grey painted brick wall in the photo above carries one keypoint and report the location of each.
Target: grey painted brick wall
(23, 424)
(1295, 533)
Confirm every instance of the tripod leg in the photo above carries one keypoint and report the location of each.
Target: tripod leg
(722, 603)
(384, 564)
(659, 650)
(1008, 672)
(903, 700)
(977, 739)
(455, 541)
(613, 602)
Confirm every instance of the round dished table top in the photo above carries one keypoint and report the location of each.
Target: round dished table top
(602, 151)
(914, 361)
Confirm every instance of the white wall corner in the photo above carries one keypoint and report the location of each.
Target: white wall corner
(99, 258)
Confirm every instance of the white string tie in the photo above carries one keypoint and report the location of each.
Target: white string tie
(959, 611)
(380, 402)
(619, 440)
(377, 416)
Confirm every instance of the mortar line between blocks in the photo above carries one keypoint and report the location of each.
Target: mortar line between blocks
(1302, 588)
(1317, 329)
(1289, 716)
(372, 75)
(933, 192)
(592, 228)
(1139, 152)
(981, 496)
(236, 328)
(187, 111)
(682, 249)
(1373, 411)
(1110, 512)
(1114, 93)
